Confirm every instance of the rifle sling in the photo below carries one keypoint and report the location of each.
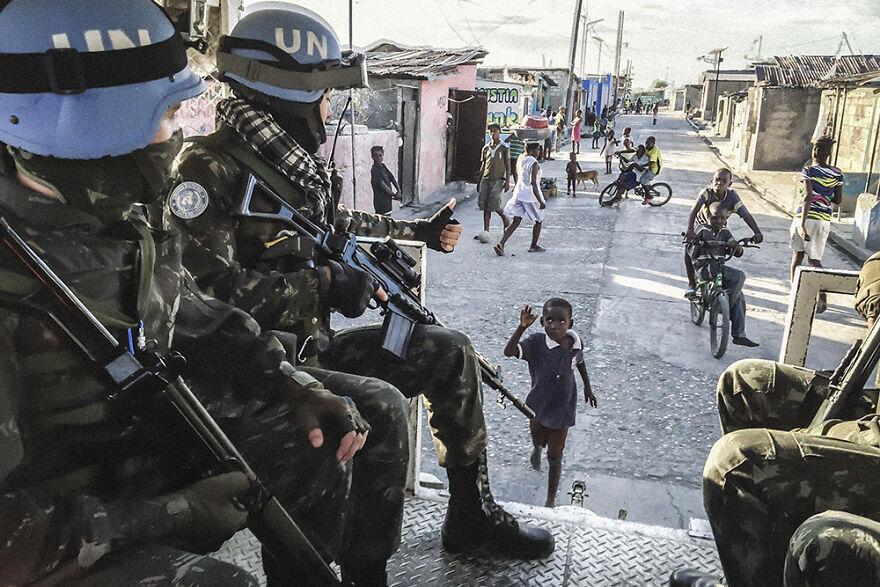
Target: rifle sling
(227, 141)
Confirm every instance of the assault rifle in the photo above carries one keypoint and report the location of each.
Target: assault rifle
(391, 267)
(851, 375)
(145, 373)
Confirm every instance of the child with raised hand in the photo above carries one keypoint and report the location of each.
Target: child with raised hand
(552, 357)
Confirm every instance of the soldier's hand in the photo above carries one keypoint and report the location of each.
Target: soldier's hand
(205, 513)
(441, 231)
(351, 289)
(320, 414)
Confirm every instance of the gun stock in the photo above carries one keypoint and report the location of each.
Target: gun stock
(150, 373)
(858, 364)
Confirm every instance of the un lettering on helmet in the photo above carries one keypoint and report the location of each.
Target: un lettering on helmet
(287, 52)
(83, 79)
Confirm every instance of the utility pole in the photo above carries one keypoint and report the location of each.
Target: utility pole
(575, 23)
(584, 37)
(617, 55)
(599, 42)
(718, 59)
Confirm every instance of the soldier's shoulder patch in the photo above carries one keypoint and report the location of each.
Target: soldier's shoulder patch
(188, 200)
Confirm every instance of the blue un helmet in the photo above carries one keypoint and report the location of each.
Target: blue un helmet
(82, 79)
(288, 52)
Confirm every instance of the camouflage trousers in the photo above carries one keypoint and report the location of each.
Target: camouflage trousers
(834, 548)
(352, 514)
(441, 365)
(761, 483)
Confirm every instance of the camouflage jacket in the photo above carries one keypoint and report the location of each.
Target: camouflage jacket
(224, 252)
(72, 463)
(867, 299)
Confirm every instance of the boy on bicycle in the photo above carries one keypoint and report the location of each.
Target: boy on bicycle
(712, 241)
(628, 178)
(655, 163)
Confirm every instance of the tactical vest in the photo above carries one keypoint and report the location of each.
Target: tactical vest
(74, 438)
(311, 331)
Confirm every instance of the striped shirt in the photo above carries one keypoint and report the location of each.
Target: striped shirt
(823, 180)
(517, 146)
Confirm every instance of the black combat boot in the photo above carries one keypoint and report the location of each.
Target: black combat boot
(693, 578)
(476, 525)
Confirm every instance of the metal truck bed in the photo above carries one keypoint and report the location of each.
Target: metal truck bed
(589, 551)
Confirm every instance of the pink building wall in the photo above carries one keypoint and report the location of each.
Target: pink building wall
(432, 127)
(363, 163)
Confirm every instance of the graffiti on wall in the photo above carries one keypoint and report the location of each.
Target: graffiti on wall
(505, 104)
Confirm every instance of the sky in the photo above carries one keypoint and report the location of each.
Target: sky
(664, 38)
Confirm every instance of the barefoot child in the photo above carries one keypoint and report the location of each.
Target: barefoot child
(552, 358)
(571, 169)
(526, 199)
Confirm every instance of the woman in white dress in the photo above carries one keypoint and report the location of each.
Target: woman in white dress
(526, 199)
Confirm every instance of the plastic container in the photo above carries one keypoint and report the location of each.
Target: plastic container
(534, 121)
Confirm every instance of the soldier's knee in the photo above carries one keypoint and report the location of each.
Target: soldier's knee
(449, 338)
(831, 545)
(387, 411)
(732, 457)
(754, 373)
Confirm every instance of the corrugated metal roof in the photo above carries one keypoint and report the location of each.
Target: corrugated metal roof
(421, 63)
(871, 78)
(805, 70)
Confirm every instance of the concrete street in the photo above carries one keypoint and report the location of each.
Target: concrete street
(643, 449)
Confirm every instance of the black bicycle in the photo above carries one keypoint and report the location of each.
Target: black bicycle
(657, 194)
(710, 296)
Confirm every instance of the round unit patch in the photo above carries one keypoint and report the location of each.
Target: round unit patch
(188, 200)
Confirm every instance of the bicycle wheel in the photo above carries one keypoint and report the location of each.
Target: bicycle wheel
(698, 310)
(661, 192)
(608, 194)
(719, 325)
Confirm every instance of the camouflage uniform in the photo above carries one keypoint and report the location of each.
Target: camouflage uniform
(834, 548)
(224, 254)
(81, 478)
(770, 471)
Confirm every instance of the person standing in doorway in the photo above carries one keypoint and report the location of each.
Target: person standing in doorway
(494, 177)
(385, 188)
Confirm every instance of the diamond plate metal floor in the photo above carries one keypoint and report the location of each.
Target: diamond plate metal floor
(589, 551)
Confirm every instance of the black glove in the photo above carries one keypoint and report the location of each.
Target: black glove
(315, 407)
(428, 231)
(350, 289)
(205, 514)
